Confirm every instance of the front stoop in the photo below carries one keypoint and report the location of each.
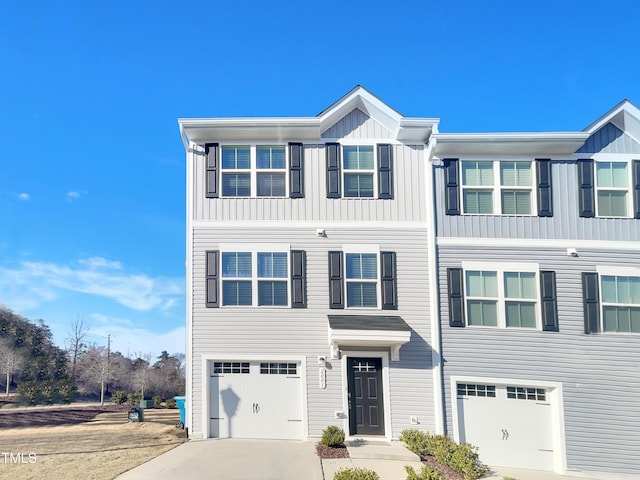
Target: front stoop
(380, 450)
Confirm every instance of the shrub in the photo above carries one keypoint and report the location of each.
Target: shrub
(356, 474)
(333, 436)
(29, 392)
(509, 478)
(119, 397)
(133, 398)
(48, 391)
(462, 458)
(425, 473)
(157, 400)
(66, 389)
(171, 403)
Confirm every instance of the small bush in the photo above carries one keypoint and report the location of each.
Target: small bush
(462, 458)
(356, 474)
(425, 473)
(509, 478)
(171, 403)
(157, 400)
(29, 392)
(333, 436)
(134, 398)
(119, 397)
(66, 390)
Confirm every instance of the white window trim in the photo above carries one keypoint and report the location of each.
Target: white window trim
(496, 188)
(254, 170)
(253, 249)
(615, 158)
(374, 172)
(607, 270)
(500, 270)
(374, 249)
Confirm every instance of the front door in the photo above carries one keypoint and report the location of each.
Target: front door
(366, 411)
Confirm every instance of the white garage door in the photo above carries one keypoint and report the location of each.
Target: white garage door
(256, 400)
(510, 424)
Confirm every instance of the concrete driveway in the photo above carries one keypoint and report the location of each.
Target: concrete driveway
(233, 459)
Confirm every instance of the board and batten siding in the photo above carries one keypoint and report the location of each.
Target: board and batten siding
(357, 124)
(565, 223)
(238, 331)
(610, 139)
(600, 373)
(408, 204)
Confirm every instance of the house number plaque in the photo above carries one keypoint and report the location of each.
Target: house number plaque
(322, 377)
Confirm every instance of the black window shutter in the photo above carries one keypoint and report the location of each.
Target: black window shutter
(336, 280)
(456, 297)
(451, 186)
(333, 170)
(298, 279)
(545, 195)
(385, 171)
(549, 301)
(296, 170)
(212, 151)
(389, 282)
(586, 186)
(591, 302)
(635, 166)
(212, 257)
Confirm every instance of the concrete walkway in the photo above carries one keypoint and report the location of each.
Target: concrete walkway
(236, 459)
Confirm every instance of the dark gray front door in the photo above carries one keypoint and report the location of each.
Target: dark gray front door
(366, 410)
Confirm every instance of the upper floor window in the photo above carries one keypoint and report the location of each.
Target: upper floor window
(261, 169)
(497, 187)
(612, 187)
(620, 303)
(359, 169)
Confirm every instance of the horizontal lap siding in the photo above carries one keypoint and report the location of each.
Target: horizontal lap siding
(600, 373)
(304, 332)
(408, 204)
(565, 223)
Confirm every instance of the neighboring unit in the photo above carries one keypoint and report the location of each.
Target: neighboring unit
(360, 269)
(539, 272)
(307, 258)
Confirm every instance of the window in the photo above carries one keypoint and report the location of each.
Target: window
(492, 186)
(359, 169)
(361, 279)
(230, 367)
(476, 390)
(620, 303)
(612, 187)
(278, 369)
(526, 393)
(502, 297)
(254, 168)
(247, 276)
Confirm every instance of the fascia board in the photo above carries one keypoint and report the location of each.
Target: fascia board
(201, 130)
(538, 143)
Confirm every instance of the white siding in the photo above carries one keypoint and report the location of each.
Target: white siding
(599, 372)
(357, 124)
(277, 331)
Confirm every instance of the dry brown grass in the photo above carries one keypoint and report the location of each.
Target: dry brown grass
(98, 449)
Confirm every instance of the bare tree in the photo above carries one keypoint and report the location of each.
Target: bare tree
(97, 369)
(141, 377)
(11, 361)
(75, 341)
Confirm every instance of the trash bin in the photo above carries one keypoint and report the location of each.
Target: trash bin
(180, 403)
(136, 414)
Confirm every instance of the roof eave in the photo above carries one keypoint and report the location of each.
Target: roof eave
(554, 143)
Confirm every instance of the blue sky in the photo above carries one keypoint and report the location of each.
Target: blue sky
(92, 174)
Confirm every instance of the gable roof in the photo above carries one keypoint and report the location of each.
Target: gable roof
(625, 116)
(203, 130)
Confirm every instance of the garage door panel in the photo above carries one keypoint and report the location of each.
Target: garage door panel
(262, 402)
(509, 430)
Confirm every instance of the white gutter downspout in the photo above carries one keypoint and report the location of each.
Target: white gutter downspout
(434, 295)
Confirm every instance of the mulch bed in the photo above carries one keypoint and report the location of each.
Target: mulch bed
(34, 417)
(331, 452)
(447, 472)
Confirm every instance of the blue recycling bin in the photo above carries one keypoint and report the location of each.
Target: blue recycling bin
(180, 402)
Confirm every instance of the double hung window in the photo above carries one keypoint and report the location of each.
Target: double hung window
(362, 279)
(255, 278)
(359, 170)
(612, 187)
(249, 170)
(620, 303)
(502, 297)
(497, 187)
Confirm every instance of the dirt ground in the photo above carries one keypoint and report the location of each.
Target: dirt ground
(81, 443)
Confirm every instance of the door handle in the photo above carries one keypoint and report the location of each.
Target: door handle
(505, 434)
(256, 408)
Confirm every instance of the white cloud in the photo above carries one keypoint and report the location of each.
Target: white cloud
(24, 196)
(74, 195)
(33, 283)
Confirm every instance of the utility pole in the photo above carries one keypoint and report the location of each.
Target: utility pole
(108, 358)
